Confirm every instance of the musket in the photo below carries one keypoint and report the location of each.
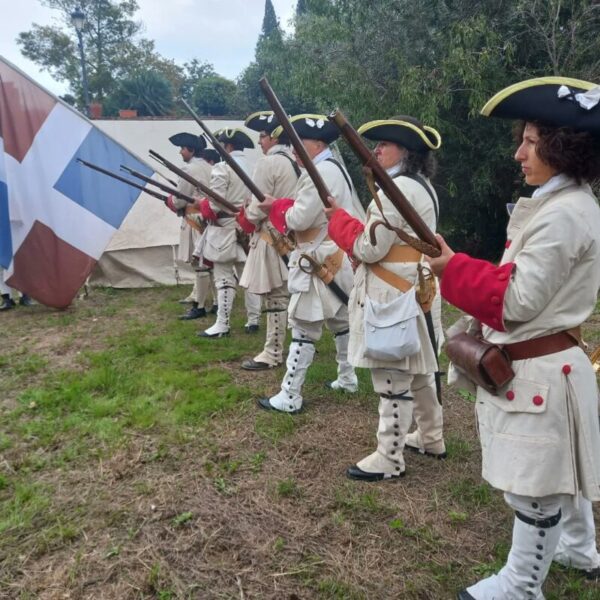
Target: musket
(164, 176)
(295, 140)
(426, 241)
(204, 188)
(237, 169)
(123, 179)
(324, 274)
(160, 186)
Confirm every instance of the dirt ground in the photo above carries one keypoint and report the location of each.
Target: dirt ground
(247, 505)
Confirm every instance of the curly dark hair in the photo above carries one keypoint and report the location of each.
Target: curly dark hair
(424, 163)
(574, 153)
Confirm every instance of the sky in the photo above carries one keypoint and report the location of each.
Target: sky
(222, 32)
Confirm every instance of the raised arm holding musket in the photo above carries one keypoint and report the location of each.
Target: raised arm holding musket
(313, 303)
(222, 246)
(265, 272)
(383, 297)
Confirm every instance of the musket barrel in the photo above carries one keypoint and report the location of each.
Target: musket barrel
(123, 179)
(204, 188)
(160, 186)
(295, 140)
(239, 171)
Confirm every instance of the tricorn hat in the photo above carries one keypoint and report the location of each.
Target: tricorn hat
(263, 120)
(236, 137)
(188, 140)
(554, 101)
(312, 127)
(405, 131)
(210, 154)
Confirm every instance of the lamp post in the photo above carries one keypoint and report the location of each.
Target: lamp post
(78, 21)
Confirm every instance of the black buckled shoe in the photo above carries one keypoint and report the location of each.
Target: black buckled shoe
(25, 300)
(265, 404)
(356, 473)
(440, 456)
(256, 365)
(7, 303)
(464, 595)
(193, 313)
(250, 328)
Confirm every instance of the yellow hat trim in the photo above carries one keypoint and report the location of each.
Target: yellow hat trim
(279, 130)
(372, 124)
(266, 113)
(493, 102)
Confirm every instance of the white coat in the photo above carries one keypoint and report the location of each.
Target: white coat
(220, 238)
(311, 299)
(199, 169)
(274, 175)
(366, 283)
(553, 446)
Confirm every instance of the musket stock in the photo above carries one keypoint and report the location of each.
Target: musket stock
(295, 140)
(187, 177)
(225, 155)
(90, 165)
(426, 242)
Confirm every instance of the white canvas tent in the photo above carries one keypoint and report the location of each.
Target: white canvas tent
(142, 252)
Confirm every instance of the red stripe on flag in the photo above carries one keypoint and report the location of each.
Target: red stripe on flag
(23, 109)
(49, 269)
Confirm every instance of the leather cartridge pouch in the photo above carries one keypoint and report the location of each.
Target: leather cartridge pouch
(488, 365)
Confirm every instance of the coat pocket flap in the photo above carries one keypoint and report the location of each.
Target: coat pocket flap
(400, 309)
(522, 395)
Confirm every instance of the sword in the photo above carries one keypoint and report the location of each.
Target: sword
(324, 274)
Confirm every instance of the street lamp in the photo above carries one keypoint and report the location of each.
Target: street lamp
(78, 21)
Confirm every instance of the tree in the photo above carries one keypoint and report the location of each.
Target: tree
(215, 95)
(270, 24)
(113, 47)
(148, 92)
(438, 60)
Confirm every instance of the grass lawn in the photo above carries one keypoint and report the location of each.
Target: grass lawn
(135, 464)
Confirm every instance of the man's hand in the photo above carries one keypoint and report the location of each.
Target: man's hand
(332, 208)
(438, 264)
(266, 204)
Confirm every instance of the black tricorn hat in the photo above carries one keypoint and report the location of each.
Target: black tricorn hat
(405, 131)
(237, 137)
(312, 127)
(554, 101)
(188, 140)
(263, 120)
(210, 154)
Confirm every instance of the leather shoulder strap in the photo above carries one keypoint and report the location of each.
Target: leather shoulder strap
(292, 161)
(346, 176)
(422, 181)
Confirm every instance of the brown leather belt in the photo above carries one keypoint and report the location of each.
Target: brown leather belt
(547, 344)
(308, 235)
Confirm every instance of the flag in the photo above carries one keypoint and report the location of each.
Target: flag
(56, 216)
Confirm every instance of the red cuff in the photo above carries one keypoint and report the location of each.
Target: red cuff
(206, 211)
(477, 287)
(343, 229)
(170, 204)
(277, 213)
(243, 222)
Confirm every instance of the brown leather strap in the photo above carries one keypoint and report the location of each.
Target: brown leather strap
(266, 236)
(547, 344)
(390, 278)
(402, 253)
(308, 235)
